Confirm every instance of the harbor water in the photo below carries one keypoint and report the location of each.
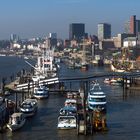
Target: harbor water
(122, 110)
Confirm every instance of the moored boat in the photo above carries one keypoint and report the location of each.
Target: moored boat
(29, 107)
(41, 92)
(67, 122)
(72, 102)
(96, 98)
(16, 121)
(68, 110)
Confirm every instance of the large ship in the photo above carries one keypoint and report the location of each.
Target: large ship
(96, 98)
(121, 61)
(45, 66)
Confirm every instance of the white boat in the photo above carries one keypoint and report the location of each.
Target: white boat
(72, 102)
(96, 98)
(45, 64)
(72, 95)
(116, 81)
(107, 80)
(16, 121)
(67, 122)
(41, 92)
(68, 110)
(28, 107)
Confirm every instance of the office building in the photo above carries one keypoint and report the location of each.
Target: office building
(76, 31)
(14, 38)
(104, 31)
(127, 27)
(137, 27)
(53, 39)
(133, 24)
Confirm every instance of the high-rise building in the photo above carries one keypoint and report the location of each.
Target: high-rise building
(133, 24)
(137, 27)
(14, 38)
(127, 27)
(104, 31)
(53, 39)
(76, 31)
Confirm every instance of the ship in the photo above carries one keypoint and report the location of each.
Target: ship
(45, 66)
(122, 61)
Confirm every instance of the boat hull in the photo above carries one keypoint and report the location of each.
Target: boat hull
(41, 96)
(14, 127)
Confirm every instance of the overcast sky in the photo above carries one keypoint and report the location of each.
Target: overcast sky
(36, 18)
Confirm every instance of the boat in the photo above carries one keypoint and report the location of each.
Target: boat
(16, 121)
(70, 102)
(107, 80)
(67, 122)
(29, 107)
(41, 92)
(96, 98)
(68, 110)
(113, 68)
(84, 66)
(114, 81)
(72, 95)
(45, 66)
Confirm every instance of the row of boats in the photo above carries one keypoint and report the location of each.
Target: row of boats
(27, 108)
(67, 118)
(68, 115)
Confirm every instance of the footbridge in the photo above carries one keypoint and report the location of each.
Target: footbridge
(62, 79)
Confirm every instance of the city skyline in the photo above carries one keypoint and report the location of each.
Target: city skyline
(36, 18)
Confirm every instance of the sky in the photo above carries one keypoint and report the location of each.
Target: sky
(37, 18)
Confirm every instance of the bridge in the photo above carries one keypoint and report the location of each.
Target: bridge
(56, 80)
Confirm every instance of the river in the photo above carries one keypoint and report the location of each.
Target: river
(122, 114)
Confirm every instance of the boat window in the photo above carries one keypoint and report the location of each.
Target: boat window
(98, 99)
(26, 105)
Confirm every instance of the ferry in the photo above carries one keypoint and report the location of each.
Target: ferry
(41, 92)
(96, 98)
